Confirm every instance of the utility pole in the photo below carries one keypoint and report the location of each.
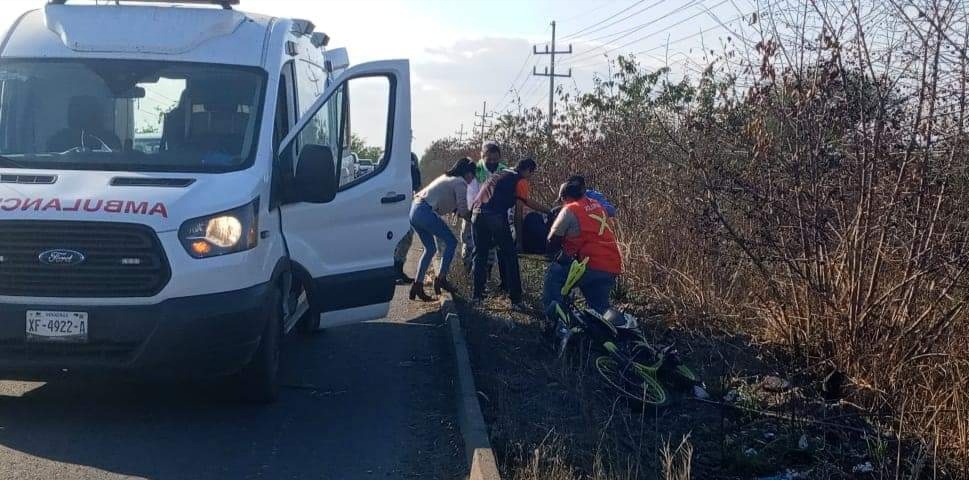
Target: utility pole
(460, 133)
(484, 116)
(550, 73)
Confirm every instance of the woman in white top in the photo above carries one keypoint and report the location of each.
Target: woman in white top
(446, 194)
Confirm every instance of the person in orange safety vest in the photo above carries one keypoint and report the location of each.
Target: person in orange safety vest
(582, 230)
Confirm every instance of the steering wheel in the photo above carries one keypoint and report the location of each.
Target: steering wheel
(104, 148)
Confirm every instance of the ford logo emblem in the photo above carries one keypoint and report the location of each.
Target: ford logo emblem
(61, 256)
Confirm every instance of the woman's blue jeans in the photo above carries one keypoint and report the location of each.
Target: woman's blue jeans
(428, 225)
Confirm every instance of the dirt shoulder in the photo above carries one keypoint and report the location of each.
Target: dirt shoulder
(554, 419)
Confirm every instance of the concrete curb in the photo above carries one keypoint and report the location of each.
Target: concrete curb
(477, 446)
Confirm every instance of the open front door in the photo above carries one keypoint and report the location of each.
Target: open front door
(347, 244)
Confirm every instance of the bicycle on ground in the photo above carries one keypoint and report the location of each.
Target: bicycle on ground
(623, 358)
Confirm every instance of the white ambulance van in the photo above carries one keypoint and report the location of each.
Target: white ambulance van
(171, 195)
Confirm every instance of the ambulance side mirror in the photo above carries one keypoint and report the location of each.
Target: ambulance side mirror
(316, 179)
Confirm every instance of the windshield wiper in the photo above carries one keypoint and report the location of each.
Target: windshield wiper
(9, 162)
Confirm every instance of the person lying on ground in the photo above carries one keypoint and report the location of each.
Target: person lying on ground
(537, 226)
(445, 195)
(581, 231)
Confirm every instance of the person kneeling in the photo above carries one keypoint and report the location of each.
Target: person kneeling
(581, 230)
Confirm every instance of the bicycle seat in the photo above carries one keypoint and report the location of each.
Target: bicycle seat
(622, 321)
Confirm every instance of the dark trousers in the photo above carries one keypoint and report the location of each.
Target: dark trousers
(491, 231)
(595, 285)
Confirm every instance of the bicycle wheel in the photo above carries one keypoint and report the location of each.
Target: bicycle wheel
(632, 383)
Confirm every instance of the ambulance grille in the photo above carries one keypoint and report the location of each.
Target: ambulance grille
(29, 179)
(108, 352)
(119, 260)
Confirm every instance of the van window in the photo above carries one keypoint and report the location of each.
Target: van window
(285, 164)
(149, 112)
(362, 149)
(368, 115)
(284, 117)
(310, 82)
(126, 115)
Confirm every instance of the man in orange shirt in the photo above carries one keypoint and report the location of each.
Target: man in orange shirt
(503, 191)
(582, 231)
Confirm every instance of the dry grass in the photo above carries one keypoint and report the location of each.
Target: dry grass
(807, 191)
(554, 419)
(678, 461)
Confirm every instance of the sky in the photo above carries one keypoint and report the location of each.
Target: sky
(466, 52)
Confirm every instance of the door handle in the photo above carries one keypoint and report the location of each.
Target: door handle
(389, 198)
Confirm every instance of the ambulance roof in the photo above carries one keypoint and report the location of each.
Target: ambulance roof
(187, 34)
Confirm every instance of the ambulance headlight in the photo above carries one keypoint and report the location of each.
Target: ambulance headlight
(233, 231)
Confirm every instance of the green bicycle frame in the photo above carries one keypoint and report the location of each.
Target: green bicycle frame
(652, 370)
(576, 271)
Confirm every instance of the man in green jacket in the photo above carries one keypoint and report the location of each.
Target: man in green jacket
(489, 165)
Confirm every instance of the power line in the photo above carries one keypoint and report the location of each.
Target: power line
(627, 17)
(580, 31)
(727, 28)
(587, 12)
(632, 29)
(697, 34)
(513, 82)
(681, 39)
(161, 95)
(541, 98)
(670, 60)
(531, 91)
(693, 3)
(625, 33)
(515, 90)
(511, 87)
(637, 40)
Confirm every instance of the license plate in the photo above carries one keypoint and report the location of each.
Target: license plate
(48, 326)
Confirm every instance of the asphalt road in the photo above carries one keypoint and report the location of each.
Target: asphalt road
(367, 401)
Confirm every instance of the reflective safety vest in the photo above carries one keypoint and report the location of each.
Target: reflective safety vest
(596, 240)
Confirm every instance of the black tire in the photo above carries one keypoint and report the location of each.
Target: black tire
(258, 382)
(631, 384)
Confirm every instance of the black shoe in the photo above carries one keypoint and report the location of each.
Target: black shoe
(441, 283)
(417, 292)
(402, 278)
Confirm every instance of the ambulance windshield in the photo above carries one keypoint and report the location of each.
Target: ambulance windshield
(128, 115)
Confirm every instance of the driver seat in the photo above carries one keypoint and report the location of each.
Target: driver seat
(85, 113)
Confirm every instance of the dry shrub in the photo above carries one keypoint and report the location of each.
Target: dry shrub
(677, 462)
(807, 187)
